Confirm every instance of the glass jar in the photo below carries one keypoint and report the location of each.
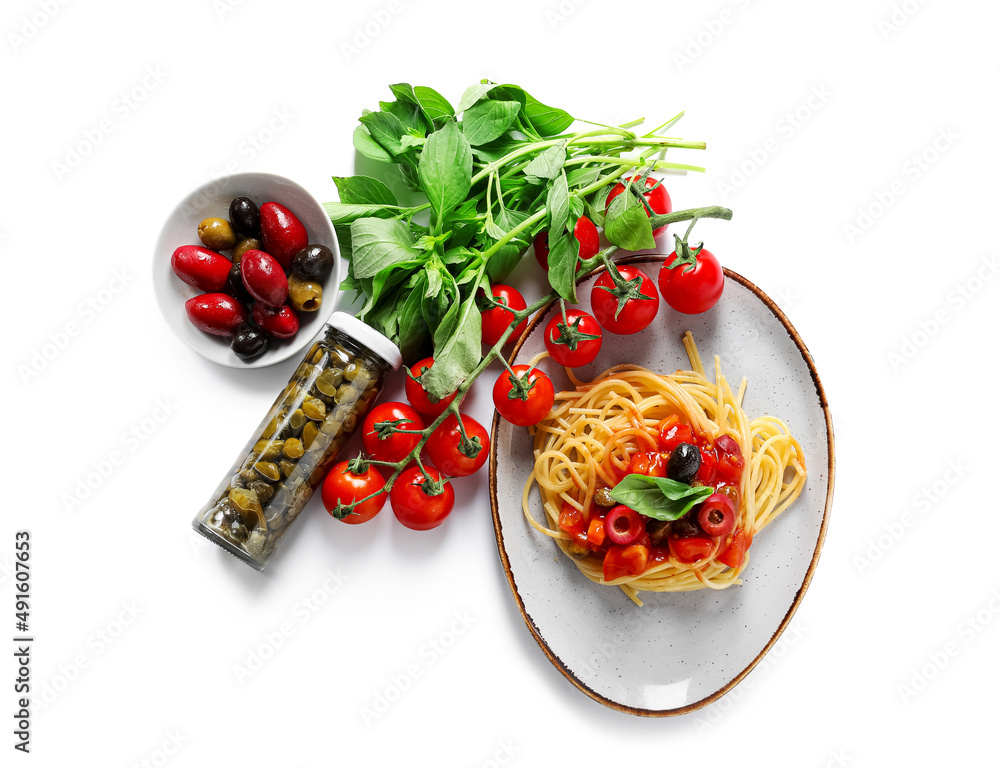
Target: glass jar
(298, 441)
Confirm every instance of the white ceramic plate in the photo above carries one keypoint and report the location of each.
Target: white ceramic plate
(680, 651)
(181, 228)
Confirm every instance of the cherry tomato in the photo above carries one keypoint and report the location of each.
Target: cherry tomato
(496, 320)
(688, 549)
(735, 552)
(382, 444)
(342, 486)
(692, 289)
(574, 344)
(418, 397)
(446, 451)
(585, 233)
(658, 198)
(527, 408)
(717, 515)
(414, 500)
(624, 311)
(571, 521)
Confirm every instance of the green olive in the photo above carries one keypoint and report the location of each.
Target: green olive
(217, 234)
(303, 294)
(244, 245)
(314, 408)
(292, 448)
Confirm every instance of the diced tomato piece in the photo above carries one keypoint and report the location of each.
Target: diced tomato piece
(625, 561)
(595, 531)
(734, 554)
(706, 472)
(652, 464)
(688, 549)
(571, 521)
(673, 433)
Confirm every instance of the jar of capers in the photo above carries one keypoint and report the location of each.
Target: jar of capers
(299, 439)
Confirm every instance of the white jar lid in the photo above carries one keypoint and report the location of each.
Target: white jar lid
(367, 336)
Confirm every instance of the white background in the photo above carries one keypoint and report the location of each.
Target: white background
(885, 659)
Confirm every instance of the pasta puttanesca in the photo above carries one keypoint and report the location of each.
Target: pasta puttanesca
(589, 438)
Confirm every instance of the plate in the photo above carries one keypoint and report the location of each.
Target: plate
(680, 651)
(181, 228)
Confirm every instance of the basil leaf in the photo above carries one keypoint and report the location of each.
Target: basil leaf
(473, 94)
(340, 213)
(386, 129)
(412, 328)
(367, 146)
(658, 497)
(445, 169)
(363, 190)
(548, 121)
(627, 224)
(435, 106)
(563, 246)
(457, 348)
(488, 120)
(381, 243)
(547, 163)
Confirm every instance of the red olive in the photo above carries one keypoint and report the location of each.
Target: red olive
(204, 269)
(264, 278)
(216, 313)
(282, 233)
(281, 323)
(717, 516)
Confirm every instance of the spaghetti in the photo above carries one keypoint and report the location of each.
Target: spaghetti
(596, 432)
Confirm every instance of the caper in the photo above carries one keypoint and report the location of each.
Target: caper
(352, 370)
(268, 470)
(263, 489)
(346, 394)
(239, 531)
(292, 448)
(316, 353)
(315, 261)
(329, 381)
(304, 294)
(244, 245)
(287, 467)
(257, 545)
(216, 233)
(245, 215)
(314, 408)
(271, 428)
(602, 498)
(350, 421)
(297, 420)
(309, 432)
(269, 450)
(246, 503)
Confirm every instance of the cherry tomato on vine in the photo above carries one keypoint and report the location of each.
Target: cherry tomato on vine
(421, 500)
(418, 396)
(496, 320)
(692, 289)
(628, 309)
(446, 450)
(585, 233)
(377, 437)
(658, 198)
(574, 342)
(528, 403)
(342, 486)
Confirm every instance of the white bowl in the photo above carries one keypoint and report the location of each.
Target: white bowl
(181, 228)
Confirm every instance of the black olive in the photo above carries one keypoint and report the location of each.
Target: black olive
(313, 261)
(249, 342)
(685, 527)
(235, 286)
(244, 215)
(684, 463)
